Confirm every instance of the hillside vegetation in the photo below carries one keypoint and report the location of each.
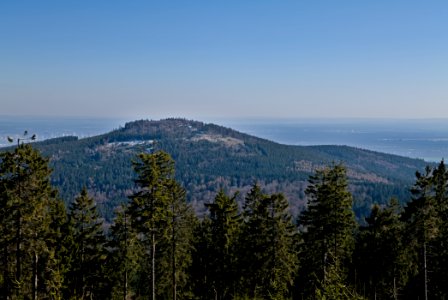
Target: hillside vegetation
(158, 247)
(209, 157)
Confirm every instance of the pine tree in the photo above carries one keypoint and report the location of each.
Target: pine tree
(327, 226)
(164, 223)
(335, 287)
(438, 251)
(148, 207)
(380, 257)
(86, 277)
(125, 255)
(182, 221)
(201, 261)
(58, 260)
(422, 227)
(252, 246)
(426, 234)
(218, 257)
(267, 257)
(26, 195)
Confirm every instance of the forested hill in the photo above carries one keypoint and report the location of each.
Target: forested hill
(209, 157)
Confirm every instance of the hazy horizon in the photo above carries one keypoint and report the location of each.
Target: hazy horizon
(424, 139)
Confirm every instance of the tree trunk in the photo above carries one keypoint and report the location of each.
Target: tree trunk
(19, 228)
(35, 261)
(153, 265)
(425, 269)
(173, 255)
(395, 289)
(18, 249)
(5, 272)
(125, 285)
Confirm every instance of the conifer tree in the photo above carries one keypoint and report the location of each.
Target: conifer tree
(58, 260)
(221, 228)
(426, 234)
(327, 226)
(202, 261)
(335, 287)
(86, 277)
(380, 257)
(252, 246)
(267, 246)
(125, 255)
(438, 251)
(164, 224)
(149, 206)
(25, 195)
(422, 226)
(182, 221)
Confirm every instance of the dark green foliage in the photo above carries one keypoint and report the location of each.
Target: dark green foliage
(426, 235)
(334, 287)
(252, 244)
(268, 261)
(422, 228)
(125, 253)
(163, 223)
(178, 246)
(202, 260)
(58, 238)
(382, 268)
(149, 209)
(217, 260)
(210, 157)
(26, 201)
(158, 249)
(439, 253)
(87, 251)
(328, 226)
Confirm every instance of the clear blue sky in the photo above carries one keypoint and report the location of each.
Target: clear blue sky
(209, 59)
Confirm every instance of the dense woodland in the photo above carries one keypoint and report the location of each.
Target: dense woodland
(211, 157)
(157, 248)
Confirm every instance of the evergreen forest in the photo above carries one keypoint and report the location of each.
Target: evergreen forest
(157, 247)
(211, 157)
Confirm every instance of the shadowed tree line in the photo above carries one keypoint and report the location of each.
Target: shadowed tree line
(157, 248)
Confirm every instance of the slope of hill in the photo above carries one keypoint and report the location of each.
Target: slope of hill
(209, 157)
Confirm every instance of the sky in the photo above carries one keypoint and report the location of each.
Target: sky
(222, 59)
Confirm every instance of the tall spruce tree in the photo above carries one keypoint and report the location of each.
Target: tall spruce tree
(327, 226)
(381, 266)
(178, 246)
(25, 195)
(438, 251)
(149, 206)
(58, 260)
(426, 234)
(221, 229)
(125, 256)
(164, 222)
(267, 246)
(86, 276)
(252, 246)
(422, 225)
(202, 261)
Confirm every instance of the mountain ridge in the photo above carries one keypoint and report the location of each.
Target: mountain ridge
(210, 157)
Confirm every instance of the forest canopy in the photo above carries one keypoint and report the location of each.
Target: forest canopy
(157, 246)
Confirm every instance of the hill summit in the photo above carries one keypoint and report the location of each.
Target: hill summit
(210, 157)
